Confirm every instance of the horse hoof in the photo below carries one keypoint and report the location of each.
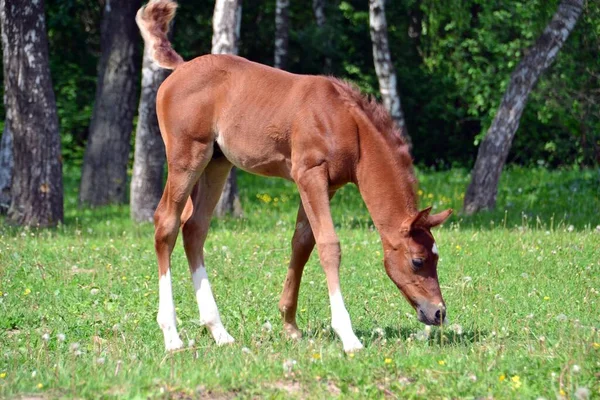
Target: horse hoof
(292, 331)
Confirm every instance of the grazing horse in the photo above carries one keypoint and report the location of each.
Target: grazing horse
(217, 111)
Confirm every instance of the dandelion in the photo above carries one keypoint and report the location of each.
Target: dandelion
(582, 393)
(2, 375)
(562, 392)
(61, 337)
(516, 382)
(442, 362)
(316, 356)
(100, 360)
(596, 345)
(456, 328)
(26, 292)
(351, 355)
(246, 350)
(33, 373)
(74, 346)
(387, 361)
(94, 291)
(45, 337)
(546, 298)
(378, 332)
(575, 369)
(191, 343)
(458, 247)
(561, 317)
(267, 327)
(502, 377)
(39, 386)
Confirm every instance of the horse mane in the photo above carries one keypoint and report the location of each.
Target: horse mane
(374, 111)
(383, 122)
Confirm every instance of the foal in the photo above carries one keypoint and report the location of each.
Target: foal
(217, 111)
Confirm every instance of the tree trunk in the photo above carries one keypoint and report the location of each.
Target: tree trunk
(227, 19)
(282, 31)
(319, 11)
(6, 168)
(481, 193)
(384, 66)
(104, 178)
(149, 159)
(37, 186)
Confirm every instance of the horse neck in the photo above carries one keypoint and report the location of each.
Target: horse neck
(385, 179)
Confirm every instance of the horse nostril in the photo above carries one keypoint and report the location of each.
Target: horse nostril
(440, 315)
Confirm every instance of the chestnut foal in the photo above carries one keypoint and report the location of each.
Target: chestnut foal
(218, 110)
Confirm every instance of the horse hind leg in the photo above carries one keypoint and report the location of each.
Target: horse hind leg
(204, 199)
(184, 168)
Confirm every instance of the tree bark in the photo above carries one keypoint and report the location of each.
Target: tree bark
(282, 31)
(482, 191)
(321, 19)
(227, 19)
(104, 178)
(384, 66)
(37, 186)
(149, 158)
(6, 168)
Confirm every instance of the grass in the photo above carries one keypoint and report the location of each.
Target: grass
(522, 285)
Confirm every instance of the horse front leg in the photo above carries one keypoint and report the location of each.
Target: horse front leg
(313, 186)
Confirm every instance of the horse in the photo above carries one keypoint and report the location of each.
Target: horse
(220, 111)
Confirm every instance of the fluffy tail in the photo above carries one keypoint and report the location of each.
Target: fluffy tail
(153, 21)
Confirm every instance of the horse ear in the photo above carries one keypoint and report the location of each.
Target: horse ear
(438, 219)
(419, 219)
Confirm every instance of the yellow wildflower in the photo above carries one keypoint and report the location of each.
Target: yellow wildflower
(27, 291)
(351, 355)
(502, 377)
(387, 361)
(2, 375)
(546, 298)
(562, 392)
(39, 386)
(516, 382)
(316, 356)
(458, 247)
(442, 362)
(596, 345)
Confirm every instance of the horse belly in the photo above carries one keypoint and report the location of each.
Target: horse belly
(258, 154)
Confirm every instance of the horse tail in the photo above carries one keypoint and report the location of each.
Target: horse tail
(153, 21)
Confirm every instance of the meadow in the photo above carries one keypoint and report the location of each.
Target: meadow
(522, 284)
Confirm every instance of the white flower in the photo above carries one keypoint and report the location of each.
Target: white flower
(456, 328)
(575, 369)
(33, 373)
(267, 327)
(94, 291)
(100, 360)
(61, 337)
(582, 393)
(45, 337)
(246, 350)
(74, 346)
(191, 343)
(561, 317)
(378, 331)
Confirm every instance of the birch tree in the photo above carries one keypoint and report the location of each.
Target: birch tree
(493, 150)
(282, 31)
(37, 186)
(386, 75)
(149, 158)
(104, 177)
(227, 19)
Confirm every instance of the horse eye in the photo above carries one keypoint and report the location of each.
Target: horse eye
(417, 262)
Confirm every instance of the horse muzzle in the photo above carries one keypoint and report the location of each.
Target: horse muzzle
(431, 314)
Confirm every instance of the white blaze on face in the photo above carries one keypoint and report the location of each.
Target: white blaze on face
(434, 249)
(166, 313)
(340, 322)
(209, 313)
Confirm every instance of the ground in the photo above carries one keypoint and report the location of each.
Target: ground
(522, 285)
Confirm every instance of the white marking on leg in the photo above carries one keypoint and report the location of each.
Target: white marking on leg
(166, 313)
(340, 322)
(209, 313)
(434, 249)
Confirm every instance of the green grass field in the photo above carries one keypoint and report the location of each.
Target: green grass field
(522, 285)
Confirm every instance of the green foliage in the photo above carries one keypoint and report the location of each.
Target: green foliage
(521, 285)
(453, 61)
